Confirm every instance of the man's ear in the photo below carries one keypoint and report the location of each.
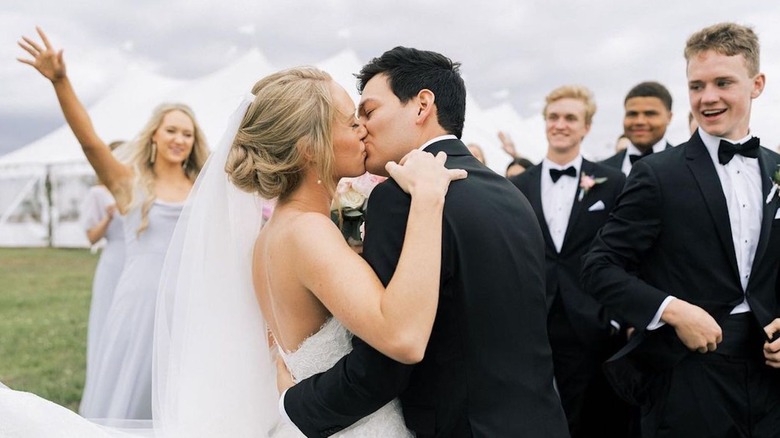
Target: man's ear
(425, 104)
(758, 85)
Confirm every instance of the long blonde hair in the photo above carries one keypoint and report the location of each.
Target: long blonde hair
(287, 126)
(142, 161)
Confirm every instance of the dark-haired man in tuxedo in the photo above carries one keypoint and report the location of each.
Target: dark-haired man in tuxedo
(571, 211)
(690, 257)
(648, 112)
(488, 369)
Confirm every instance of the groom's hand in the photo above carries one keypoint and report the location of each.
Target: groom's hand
(284, 380)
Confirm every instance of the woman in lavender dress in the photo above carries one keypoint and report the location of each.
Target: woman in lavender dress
(166, 157)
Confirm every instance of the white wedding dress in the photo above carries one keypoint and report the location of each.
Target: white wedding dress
(25, 415)
(318, 353)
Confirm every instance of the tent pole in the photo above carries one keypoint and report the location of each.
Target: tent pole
(49, 225)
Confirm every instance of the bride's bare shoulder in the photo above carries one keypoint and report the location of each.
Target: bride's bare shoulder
(302, 227)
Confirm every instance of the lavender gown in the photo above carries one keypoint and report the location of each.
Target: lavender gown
(122, 388)
(107, 272)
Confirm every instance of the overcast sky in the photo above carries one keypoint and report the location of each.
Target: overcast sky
(512, 51)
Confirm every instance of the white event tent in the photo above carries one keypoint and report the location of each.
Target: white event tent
(43, 183)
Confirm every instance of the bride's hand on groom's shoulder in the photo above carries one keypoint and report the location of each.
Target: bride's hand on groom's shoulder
(420, 173)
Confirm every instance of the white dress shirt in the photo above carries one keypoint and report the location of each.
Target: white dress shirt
(558, 198)
(435, 139)
(633, 150)
(741, 183)
(740, 180)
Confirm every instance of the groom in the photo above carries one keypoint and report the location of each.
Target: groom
(487, 371)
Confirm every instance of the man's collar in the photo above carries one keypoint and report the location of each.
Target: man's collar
(576, 162)
(712, 142)
(435, 139)
(658, 147)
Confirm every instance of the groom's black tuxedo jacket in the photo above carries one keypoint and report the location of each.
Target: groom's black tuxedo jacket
(487, 371)
(672, 224)
(586, 315)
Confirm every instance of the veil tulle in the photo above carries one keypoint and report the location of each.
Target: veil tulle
(213, 375)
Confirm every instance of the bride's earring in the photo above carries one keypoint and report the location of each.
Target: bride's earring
(154, 153)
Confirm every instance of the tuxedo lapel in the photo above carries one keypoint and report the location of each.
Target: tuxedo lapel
(535, 198)
(700, 164)
(767, 167)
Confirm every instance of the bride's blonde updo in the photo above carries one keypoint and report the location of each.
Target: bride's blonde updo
(286, 127)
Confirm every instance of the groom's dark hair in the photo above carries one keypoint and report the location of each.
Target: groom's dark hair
(410, 70)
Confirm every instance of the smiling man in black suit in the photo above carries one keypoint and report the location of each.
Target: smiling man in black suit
(648, 112)
(690, 257)
(572, 198)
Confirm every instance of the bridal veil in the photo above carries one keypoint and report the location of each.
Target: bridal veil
(214, 375)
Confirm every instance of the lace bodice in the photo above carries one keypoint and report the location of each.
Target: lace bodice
(318, 353)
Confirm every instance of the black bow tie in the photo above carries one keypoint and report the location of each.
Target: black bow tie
(726, 150)
(634, 157)
(556, 174)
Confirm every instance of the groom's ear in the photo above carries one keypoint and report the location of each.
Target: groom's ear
(425, 105)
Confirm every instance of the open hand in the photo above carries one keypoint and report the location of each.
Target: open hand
(45, 59)
(507, 144)
(772, 349)
(421, 172)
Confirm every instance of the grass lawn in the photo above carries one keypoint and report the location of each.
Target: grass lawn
(44, 306)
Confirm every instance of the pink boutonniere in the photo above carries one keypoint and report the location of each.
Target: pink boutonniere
(587, 182)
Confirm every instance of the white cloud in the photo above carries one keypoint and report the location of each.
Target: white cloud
(248, 29)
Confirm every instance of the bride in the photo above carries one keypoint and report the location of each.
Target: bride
(214, 373)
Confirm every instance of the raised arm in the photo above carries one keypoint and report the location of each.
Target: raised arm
(50, 63)
(397, 320)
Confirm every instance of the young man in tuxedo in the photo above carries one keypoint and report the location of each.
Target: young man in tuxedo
(571, 212)
(487, 371)
(648, 112)
(690, 256)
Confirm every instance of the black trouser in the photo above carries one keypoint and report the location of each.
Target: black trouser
(723, 394)
(592, 407)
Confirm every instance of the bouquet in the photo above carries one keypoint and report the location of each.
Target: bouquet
(349, 205)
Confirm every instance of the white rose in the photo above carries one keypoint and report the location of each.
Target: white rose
(351, 199)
